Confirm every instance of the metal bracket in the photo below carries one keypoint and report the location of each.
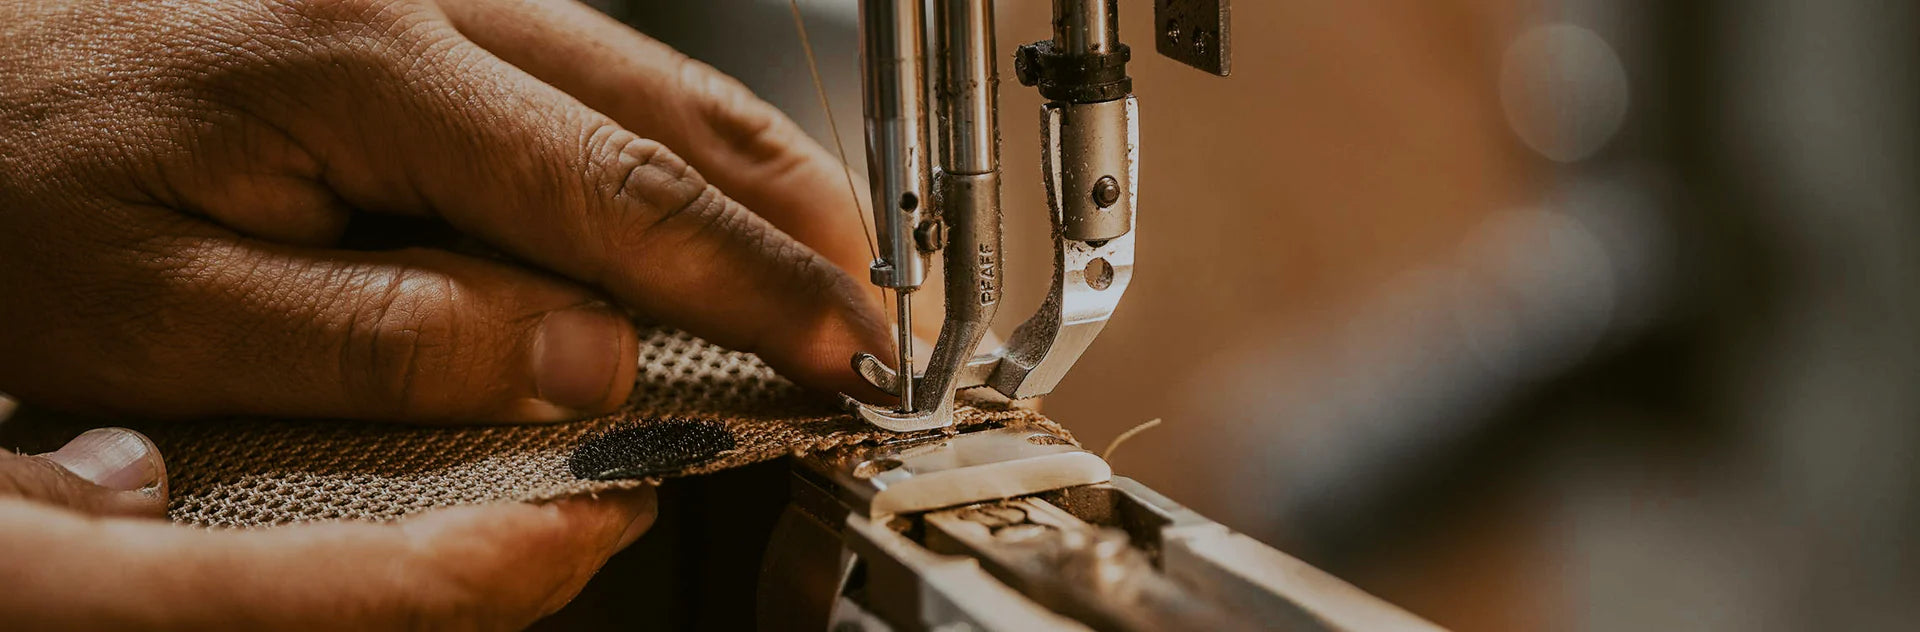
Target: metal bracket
(1195, 33)
(1089, 276)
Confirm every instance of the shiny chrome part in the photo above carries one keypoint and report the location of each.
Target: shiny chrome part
(881, 376)
(903, 305)
(893, 53)
(1078, 305)
(1088, 143)
(897, 420)
(969, 182)
(969, 87)
(1090, 26)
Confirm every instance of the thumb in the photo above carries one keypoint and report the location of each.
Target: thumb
(107, 471)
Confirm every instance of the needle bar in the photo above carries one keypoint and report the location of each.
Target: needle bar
(904, 303)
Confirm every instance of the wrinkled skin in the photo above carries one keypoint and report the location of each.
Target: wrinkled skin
(186, 192)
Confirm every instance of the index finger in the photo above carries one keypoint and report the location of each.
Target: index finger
(522, 165)
(744, 144)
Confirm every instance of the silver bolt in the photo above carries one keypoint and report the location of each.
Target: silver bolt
(1106, 191)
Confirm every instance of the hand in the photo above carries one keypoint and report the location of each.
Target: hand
(79, 555)
(176, 179)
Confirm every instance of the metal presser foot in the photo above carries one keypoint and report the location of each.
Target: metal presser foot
(973, 295)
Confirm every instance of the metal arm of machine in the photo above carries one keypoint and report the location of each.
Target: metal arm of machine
(893, 56)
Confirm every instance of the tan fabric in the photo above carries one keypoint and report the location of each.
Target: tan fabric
(242, 473)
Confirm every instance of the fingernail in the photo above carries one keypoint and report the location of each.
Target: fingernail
(576, 355)
(114, 458)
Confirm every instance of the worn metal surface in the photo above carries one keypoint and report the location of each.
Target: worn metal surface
(968, 87)
(970, 204)
(1089, 276)
(1015, 528)
(894, 55)
(1086, 571)
(1086, 26)
(1196, 33)
(972, 467)
(1092, 155)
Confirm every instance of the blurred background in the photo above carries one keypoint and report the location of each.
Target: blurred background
(1520, 314)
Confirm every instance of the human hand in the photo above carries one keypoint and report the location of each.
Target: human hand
(81, 553)
(176, 178)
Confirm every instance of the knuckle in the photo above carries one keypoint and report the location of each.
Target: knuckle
(398, 339)
(702, 229)
(747, 125)
(738, 117)
(647, 186)
(649, 173)
(712, 212)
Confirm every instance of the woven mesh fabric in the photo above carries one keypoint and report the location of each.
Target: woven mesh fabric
(243, 473)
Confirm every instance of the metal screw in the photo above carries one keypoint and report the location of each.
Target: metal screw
(1106, 191)
(930, 235)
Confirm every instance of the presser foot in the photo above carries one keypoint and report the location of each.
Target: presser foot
(970, 374)
(903, 421)
(886, 379)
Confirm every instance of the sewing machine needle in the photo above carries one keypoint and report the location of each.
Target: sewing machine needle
(903, 303)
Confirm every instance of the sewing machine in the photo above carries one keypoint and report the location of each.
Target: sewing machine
(1014, 527)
